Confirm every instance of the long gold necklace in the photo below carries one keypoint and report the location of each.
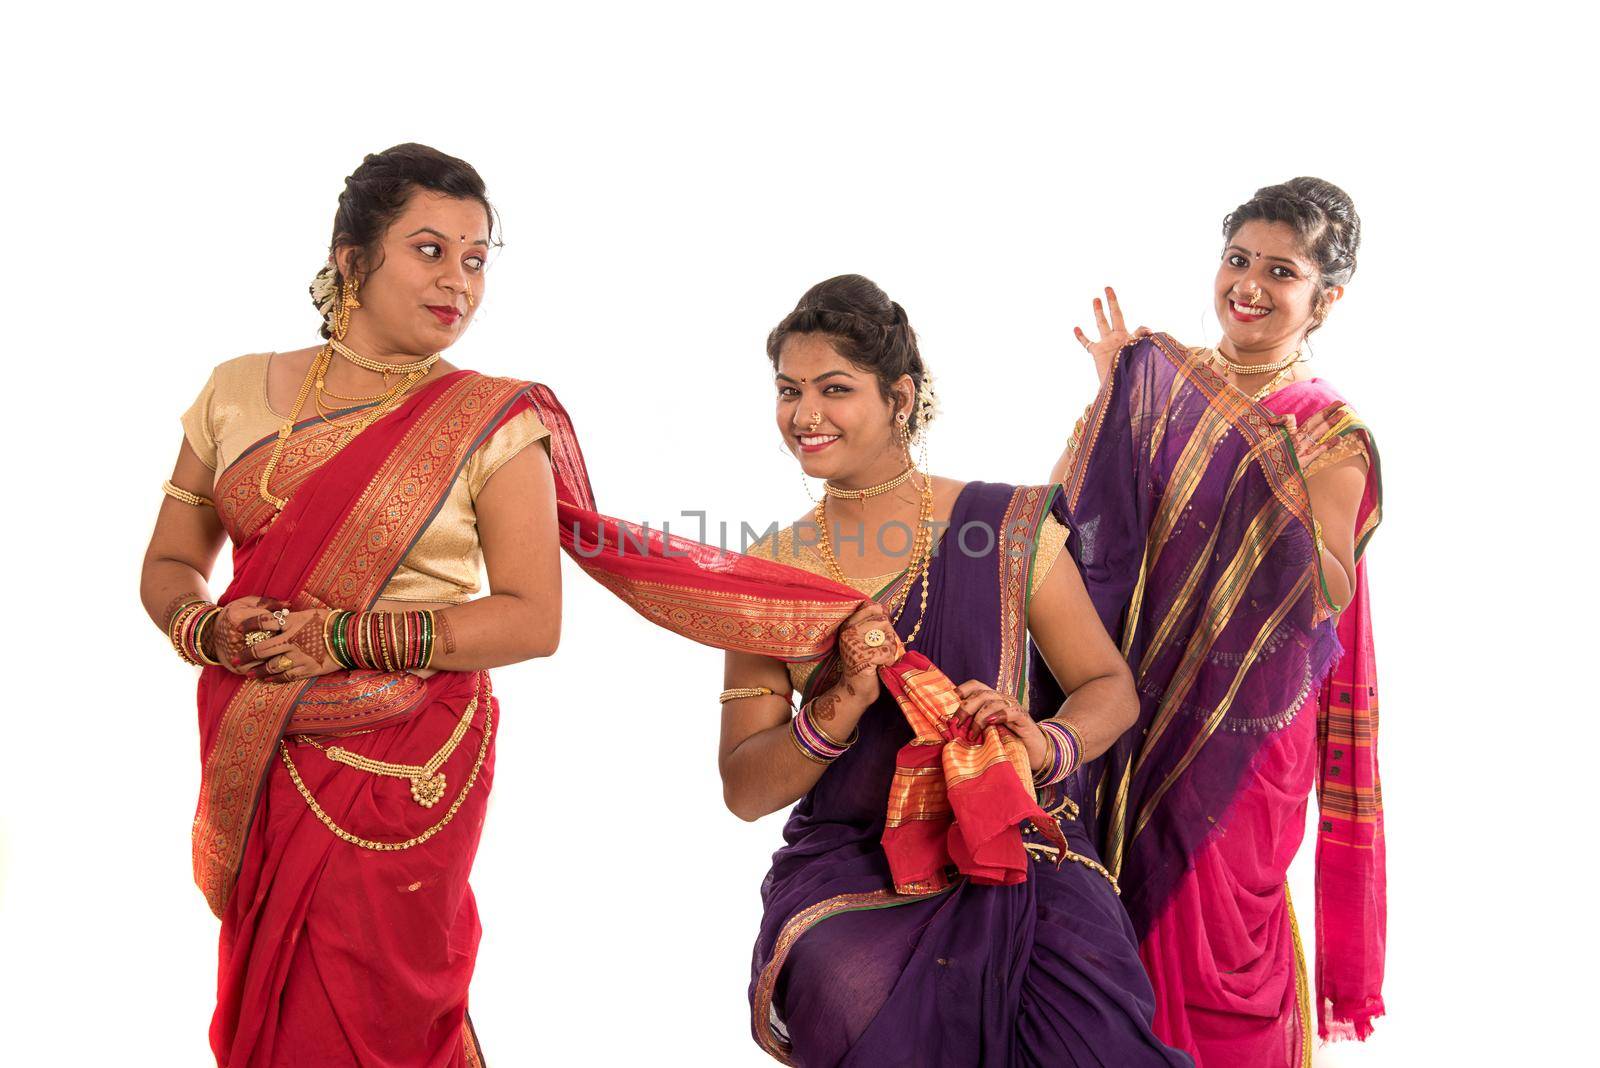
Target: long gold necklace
(314, 377)
(1244, 370)
(871, 491)
(921, 560)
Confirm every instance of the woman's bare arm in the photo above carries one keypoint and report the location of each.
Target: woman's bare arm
(521, 617)
(1336, 493)
(1101, 704)
(184, 545)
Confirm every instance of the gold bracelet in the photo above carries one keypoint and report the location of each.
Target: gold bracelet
(743, 691)
(178, 493)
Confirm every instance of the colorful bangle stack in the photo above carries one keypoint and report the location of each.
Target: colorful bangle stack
(190, 627)
(1066, 751)
(813, 743)
(381, 641)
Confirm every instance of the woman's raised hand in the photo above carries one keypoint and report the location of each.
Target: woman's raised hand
(238, 623)
(1113, 334)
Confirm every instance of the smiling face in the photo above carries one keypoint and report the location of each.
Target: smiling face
(1266, 288)
(833, 415)
(414, 289)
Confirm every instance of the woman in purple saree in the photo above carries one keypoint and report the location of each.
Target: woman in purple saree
(855, 964)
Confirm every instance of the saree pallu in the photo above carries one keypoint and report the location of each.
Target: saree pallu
(1193, 527)
(1012, 963)
(331, 953)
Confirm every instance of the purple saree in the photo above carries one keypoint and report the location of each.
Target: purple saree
(1043, 972)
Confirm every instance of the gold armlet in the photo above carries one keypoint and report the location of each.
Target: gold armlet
(742, 691)
(178, 493)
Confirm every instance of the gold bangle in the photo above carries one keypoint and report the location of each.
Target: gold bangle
(200, 637)
(1077, 736)
(178, 493)
(743, 691)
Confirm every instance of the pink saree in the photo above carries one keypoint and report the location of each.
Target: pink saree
(1224, 953)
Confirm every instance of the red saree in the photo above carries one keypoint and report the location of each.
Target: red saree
(332, 953)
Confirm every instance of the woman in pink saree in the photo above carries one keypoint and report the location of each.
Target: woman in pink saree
(1224, 499)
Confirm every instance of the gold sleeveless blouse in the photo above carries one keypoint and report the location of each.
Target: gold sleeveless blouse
(782, 548)
(446, 564)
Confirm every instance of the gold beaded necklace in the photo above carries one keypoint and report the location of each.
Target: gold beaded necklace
(871, 491)
(1244, 370)
(367, 363)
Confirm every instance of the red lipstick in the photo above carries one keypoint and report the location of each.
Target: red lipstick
(444, 313)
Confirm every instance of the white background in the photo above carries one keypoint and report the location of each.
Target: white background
(671, 178)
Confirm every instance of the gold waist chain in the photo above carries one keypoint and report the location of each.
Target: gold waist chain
(1068, 809)
(427, 783)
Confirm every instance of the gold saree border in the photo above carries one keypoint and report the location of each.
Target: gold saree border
(798, 924)
(399, 500)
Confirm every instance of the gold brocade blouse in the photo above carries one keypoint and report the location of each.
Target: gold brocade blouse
(445, 565)
(781, 548)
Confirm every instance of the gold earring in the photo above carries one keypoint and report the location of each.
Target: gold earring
(343, 306)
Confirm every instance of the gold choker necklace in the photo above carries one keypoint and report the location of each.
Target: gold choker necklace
(870, 491)
(1243, 369)
(369, 364)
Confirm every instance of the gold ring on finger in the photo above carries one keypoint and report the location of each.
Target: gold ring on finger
(256, 636)
(873, 638)
(280, 663)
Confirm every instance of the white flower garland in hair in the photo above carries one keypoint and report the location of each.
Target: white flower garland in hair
(324, 292)
(927, 403)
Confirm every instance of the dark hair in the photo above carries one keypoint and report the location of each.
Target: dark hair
(865, 326)
(1324, 219)
(377, 192)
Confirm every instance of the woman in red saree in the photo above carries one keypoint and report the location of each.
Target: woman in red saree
(1227, 497)
(346, 717)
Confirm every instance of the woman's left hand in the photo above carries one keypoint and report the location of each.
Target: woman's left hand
(300, 652)
(982, 706)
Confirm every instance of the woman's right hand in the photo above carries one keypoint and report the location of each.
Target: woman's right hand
(859, 658)
(1113, 334)
(237, 621)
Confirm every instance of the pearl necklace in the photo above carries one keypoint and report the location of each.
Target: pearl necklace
(1245, 369)
(870, 491)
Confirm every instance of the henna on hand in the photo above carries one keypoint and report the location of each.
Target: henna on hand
(309, 638)
(173, 606)
(855, 654)
(824, 707)
(441, 622)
